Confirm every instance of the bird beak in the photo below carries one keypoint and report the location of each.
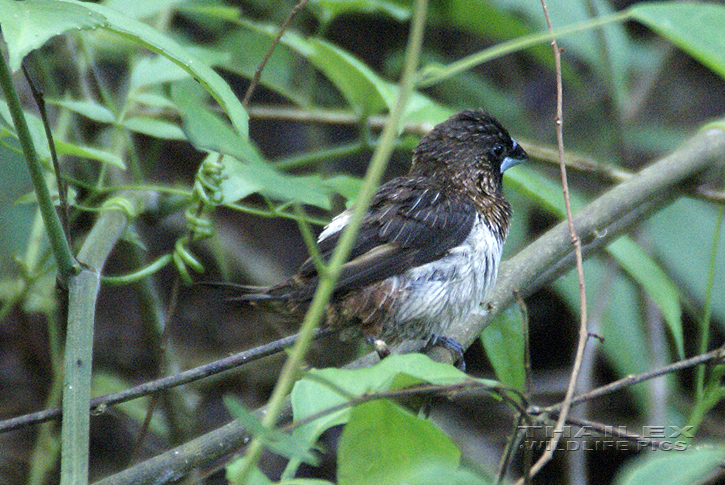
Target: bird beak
(517, 155)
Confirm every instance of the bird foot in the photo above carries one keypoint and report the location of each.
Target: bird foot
(453, 346)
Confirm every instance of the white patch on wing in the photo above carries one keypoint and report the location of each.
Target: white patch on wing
(335, 225)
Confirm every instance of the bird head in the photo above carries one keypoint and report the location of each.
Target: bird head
(470, 141)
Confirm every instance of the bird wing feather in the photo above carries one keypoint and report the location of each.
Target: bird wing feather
(406, 226)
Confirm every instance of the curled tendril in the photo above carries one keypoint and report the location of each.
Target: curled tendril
(208, 181)
(124, 205)
(182, 258)
(207, 193)
(199, 226)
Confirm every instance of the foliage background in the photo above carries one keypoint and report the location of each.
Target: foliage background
(632, 94)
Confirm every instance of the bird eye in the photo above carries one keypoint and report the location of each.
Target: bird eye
(498, 150)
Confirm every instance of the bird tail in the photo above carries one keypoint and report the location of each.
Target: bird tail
(279, 299)
(241, 293)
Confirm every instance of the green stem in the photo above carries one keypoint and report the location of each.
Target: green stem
(434, 75)
(58, 242)
(305, 159)
(327, 281)
(140, 274)
(83, 292)
(700, 397)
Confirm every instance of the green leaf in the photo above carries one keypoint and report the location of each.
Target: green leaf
(155, 70)
(304, 481)
(655, 281)
(89, 109)
(431, 475)
(282, 72)
(365, 91)
(241, 177)
(505, 348)
(328, 10)
(26, 26)
(37, 132)
(322, 389)
(204, 129)
(383, 444)
(586, 44)
(687, 253)
(675, 468)
(641, 267)
(35, 125)
(625, 345)
(539, 188)
(220, 12)
(312, 394)
(696, 28)
(246, 170)
(154, 127)
(489, 21)
(64, 148)
(235, 467)
(345, 185)
(139, 10)
(153, 100)
(280, 443)
(618, 55)
(164, 45)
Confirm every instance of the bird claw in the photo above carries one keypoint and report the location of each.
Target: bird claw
(453, 346)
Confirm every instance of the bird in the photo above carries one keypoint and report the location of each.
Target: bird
(428, 250)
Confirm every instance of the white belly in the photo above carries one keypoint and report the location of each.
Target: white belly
(448, 290)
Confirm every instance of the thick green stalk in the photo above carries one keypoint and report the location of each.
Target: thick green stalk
(326, 286)
(83, 292)
(58, 242)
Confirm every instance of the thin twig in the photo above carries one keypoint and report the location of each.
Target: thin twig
(515, 438)
(609, 431)
(59, 180)
(161, 350)
(576, 241)
(511, 444)
(540, 153)
(527, 351)
(710, 357)
(98, 405)
(260, 68)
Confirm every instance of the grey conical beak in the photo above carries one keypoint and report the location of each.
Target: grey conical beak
(517, 155)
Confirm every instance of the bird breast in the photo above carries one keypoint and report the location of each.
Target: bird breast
(435, 295)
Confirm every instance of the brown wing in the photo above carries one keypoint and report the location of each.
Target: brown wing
(409, 224)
